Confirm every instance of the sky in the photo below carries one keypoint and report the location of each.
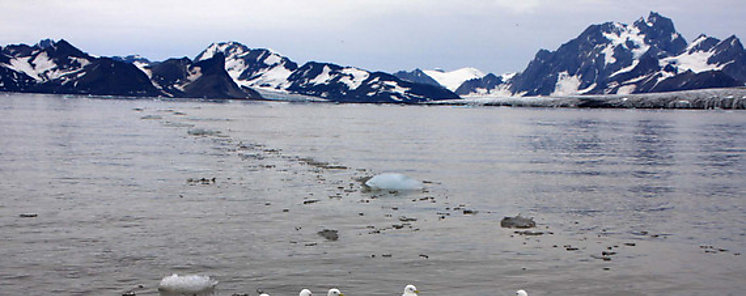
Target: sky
(495, 36)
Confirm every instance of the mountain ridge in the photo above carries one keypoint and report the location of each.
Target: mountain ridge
(608, 58)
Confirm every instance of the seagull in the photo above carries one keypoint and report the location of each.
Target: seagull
(410, 290)
(521, 293)
(334, 292)
(305, 292)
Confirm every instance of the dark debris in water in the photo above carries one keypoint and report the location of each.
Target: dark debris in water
(202, 132)
(320, 164)
(517, 222)
(532, 233)
(329, 234)
(407, 219)
(202, 181)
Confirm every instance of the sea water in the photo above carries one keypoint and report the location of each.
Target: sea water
(105, 196)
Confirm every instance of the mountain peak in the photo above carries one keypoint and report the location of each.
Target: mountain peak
(228, 48)
(734, 41)
(45, 43)
(654, 17)
(702, 43)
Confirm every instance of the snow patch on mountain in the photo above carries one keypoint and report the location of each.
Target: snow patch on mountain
(353, 77)
(566, 84)
(628, 37)
(453, 79)
(323, 78)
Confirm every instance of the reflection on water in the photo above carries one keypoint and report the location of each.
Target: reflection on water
(121, 200)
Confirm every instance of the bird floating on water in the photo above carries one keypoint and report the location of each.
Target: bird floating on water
(305, 292)
(334, 292)
(521, 293)
(410, 290)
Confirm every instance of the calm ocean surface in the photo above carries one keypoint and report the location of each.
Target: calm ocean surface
(118, 197)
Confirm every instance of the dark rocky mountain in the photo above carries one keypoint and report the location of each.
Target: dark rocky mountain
(203, 79)
(59, 67)
(266, 70)
(485, 85)
(132, 59)
(416, 76)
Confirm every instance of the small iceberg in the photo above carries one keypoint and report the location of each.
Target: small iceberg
(188, 285)
(392, 181)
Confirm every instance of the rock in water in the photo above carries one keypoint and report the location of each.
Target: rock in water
(329, 234)
(392, 181)
(517, 222)
(191, 285)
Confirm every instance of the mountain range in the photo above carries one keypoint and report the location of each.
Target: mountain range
(609, 58)
(616, 58)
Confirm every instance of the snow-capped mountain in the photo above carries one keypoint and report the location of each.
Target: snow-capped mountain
(59, 67)
(257, 68)
(609, 58)
(267, 70)
(616, 58)
(489, 85)
(464, 81)
(451, 80)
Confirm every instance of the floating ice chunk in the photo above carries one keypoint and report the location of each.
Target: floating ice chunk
(392, 181)
(188, 285)
(410, 290)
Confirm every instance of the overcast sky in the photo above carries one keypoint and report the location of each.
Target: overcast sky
(388, 35)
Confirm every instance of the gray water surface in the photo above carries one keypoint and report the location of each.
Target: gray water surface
(119, 201)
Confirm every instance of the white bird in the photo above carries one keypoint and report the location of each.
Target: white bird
(410, 290)
(305, 292)
(521, 293)
(334, 292)
(193, 285)
(392, 181)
